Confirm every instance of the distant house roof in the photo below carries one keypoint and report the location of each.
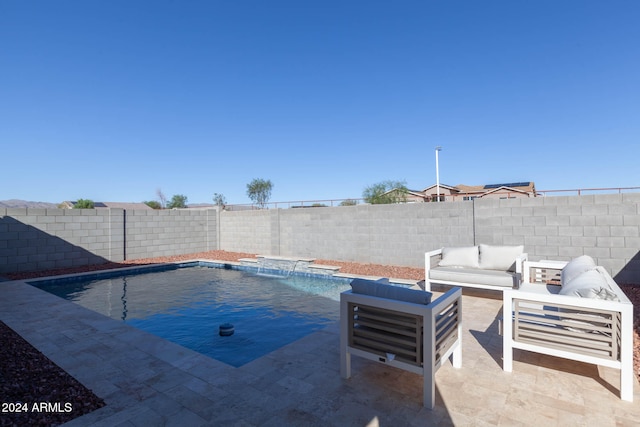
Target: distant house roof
(417, 193)
(520, 187)
(507, 190)
(451, 188)
(106, 205)
(201, 206)
(410, 195)
(525, 189)
(122, 205)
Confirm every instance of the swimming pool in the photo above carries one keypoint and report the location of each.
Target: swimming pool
(188, 305)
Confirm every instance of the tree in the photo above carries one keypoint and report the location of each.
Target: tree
(386, 192)
(153, 204)
(84, 204)
(161, 198)
(219, 200)
(348, 202)
(259, 191)
(178, 201)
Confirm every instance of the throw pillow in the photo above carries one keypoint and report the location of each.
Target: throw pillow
(576, 267)
(460, 257)
(591, 279)
(499, 257)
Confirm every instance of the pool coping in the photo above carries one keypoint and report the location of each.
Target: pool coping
(50, 283)
(138, 374)
(148, 268)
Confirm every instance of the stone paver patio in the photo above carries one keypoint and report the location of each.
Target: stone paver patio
(147, 381)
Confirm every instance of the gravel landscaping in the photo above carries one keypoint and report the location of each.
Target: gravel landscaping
(26, 375)
(28, 378)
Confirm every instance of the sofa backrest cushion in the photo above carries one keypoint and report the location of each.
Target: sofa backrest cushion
(466, 256)
(384, 290)
(575, 268)
(499, 257)
(589, 284)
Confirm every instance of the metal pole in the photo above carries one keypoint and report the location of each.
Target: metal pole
(438, 148)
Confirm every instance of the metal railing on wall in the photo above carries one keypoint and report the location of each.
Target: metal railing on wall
(585, 191)
(299, 204)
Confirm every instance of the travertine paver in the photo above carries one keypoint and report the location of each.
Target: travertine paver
(147, 381)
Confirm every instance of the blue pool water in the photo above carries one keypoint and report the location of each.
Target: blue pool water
(187, 306)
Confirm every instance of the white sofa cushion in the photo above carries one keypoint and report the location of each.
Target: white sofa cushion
(384, 290)
(474, 276)
(575, 268)
(466, 256)
(499, 257)
(589, 284)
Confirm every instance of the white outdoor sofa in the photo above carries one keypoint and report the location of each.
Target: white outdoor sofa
(573, 310)
(482, 266)
(402, 328)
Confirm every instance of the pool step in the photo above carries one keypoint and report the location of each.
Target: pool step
(325, 267)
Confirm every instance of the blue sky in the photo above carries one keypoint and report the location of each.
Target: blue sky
(112, 100)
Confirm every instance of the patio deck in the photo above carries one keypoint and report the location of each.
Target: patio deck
(146, 380)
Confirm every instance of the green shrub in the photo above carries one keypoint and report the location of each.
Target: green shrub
(84, 204)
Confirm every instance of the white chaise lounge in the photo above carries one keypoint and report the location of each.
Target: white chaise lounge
(573, 310)
(402, 328)
(482, 266)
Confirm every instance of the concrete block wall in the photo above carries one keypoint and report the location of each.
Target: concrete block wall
(117, 250)
(40, 239)
(43, 239)
(248, 231)
(382, 234)
(605, 226)
(157, 233)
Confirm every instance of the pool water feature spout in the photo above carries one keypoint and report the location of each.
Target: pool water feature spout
(286, 273)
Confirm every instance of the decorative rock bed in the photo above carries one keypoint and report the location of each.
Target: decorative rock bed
(35, 390)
